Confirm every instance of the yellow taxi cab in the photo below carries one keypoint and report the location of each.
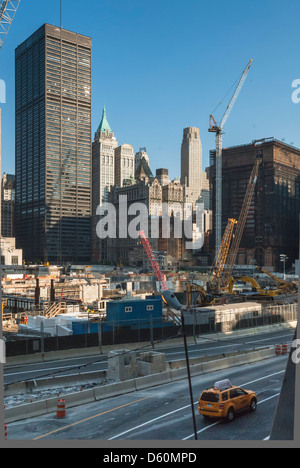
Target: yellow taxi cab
(224, 400)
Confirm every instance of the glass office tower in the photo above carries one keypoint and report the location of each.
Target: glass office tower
(53, 146)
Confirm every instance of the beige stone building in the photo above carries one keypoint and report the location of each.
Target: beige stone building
(103, 175)
(148, 191)
(124, 165)
(142, 153)
(191, 164)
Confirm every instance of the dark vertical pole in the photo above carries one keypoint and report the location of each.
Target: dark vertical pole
(52, 292)
(189, 375)
(37, 293)
(2, 361)
(100, 336)
(151, 331)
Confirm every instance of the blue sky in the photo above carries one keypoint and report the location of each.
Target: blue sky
(163, 65)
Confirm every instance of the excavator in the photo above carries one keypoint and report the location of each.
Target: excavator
(282, 286)
(201, 297)
(255, 286)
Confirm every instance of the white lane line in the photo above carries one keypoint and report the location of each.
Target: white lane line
(45, 370)
(262, 378)
(149, 422)
(231, 345)
(183, 408)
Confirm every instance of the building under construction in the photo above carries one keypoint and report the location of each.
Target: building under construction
(272, 226)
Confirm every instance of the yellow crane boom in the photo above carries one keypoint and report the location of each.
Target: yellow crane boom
(232, 255)
(221, 257)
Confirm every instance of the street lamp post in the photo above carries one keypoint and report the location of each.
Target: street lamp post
(173, 302)
(283, 259)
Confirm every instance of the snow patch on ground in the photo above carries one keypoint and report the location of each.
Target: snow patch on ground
(17, 400)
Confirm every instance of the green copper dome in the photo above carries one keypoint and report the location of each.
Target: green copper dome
(104, 125)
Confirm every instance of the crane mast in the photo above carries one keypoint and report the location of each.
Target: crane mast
(220, 260)
(218, 129)
(153, 261)
(8, 9)
(232, 255)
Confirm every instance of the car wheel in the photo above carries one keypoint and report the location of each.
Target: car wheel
(206, 417)
(253, 405)
(230, 415)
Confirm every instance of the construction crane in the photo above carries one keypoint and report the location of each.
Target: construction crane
(153, 261)
(218, 129)
(160, 277)
(232, 255)
(221, 257)
(8, 9)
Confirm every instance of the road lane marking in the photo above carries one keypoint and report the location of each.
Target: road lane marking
(180, 409)
(91, 417)
(262, 378)
(149, 422)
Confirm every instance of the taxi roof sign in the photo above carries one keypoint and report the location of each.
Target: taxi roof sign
(223, 384)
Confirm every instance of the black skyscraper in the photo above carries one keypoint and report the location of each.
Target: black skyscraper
(53, 146)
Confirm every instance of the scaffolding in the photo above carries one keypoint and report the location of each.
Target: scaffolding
(8, 9)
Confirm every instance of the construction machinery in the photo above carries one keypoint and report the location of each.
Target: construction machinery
(218, 129)
(197, 296)
(256, 288)
(8, 9)
(214, 284)
(176, 318)
(154, 263)
(232, 255)
(282, 286)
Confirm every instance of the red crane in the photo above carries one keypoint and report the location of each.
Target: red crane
(154, 263)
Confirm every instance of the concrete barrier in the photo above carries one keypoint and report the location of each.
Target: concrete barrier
(196, 370)
(152, 380)
(241, 359)
(115, 389)
(71, 400)
(181, 373)
(213, 366)
(80, 398)
(30, 410)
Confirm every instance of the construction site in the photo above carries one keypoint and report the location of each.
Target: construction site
(63, 301)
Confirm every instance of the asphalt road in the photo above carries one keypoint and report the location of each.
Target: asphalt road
(98, 362)
(164, 412)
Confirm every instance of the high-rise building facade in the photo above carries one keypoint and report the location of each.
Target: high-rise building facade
(124, 164)
(162, 176)
(142, 153)
(53, 145)
(191, 164)
(103, 177)
(8, 205)
(272, 226)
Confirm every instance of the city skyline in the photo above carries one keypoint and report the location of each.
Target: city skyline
(149, 99)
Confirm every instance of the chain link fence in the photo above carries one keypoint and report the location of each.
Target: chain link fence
(98, 334)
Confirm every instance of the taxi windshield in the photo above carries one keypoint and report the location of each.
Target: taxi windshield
(210, 396)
